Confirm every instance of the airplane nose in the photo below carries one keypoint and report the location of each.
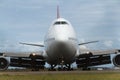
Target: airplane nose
(61, 44)
(62, 47)
(61, 40)
(61, 37)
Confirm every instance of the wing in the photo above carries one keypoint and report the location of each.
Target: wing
(32, 60)
(89, 58)
(88, 42)
(40, 45)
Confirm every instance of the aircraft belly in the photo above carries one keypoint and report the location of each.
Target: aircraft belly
(60, 52)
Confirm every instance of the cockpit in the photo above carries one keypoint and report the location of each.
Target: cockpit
(60, 22)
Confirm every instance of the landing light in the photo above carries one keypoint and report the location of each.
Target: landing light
(33, 54)
(87, 52)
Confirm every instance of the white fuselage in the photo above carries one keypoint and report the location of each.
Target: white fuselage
(60, 42)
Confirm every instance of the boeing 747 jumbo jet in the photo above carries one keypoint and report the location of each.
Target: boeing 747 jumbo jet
(61, 49)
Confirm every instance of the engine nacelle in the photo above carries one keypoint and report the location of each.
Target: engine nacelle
(116, 60)
(4, 63)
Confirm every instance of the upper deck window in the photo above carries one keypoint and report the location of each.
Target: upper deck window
(60, 22)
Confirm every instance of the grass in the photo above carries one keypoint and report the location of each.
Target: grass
(65, 76)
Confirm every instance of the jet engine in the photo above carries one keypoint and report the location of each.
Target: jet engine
(4, 63)
(116, 60)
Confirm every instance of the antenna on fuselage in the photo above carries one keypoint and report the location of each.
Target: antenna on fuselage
(58, 13)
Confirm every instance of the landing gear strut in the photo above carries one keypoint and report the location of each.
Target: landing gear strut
(69, 67)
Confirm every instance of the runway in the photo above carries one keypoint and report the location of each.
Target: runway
(55, 72)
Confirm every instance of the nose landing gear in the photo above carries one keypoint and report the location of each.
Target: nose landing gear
(63, 66)
(52, 68)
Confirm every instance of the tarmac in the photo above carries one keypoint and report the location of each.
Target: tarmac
(55, 72)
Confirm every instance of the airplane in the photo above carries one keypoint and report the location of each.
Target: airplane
(61, 47)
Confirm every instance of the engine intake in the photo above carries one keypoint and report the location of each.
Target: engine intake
(3, 63)
(116, 60)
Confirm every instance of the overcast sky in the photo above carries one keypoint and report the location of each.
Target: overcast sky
(29, 20)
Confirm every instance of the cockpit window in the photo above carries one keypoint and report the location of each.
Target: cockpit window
(63, 22)
(57, 23)
(60, 22)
